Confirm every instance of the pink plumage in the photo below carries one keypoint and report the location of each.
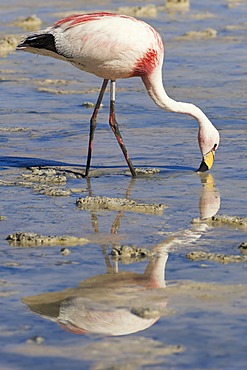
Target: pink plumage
(100, 44)
(112, 47)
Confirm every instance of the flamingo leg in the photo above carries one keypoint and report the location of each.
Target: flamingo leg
(114, 126)
(93, 124)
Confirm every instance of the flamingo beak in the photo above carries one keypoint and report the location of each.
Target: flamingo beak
(207, 161)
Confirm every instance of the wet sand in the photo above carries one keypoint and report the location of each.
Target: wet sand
(153, 267)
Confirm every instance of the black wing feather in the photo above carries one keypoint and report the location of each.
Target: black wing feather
(43, 41)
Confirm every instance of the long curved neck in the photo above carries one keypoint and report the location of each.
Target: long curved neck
(156, 91)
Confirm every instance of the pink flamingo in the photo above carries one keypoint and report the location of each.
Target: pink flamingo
(113, 46)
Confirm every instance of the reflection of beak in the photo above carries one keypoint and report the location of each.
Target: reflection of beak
(209, 203)
(207, 161)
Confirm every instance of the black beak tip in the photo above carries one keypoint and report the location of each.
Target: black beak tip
(203, 167)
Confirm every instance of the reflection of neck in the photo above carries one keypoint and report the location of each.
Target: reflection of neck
(209, 203)
(155, 271)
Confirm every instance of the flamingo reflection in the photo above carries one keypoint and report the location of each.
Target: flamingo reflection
(122, 302)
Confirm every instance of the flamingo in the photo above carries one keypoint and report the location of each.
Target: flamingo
(113, 46)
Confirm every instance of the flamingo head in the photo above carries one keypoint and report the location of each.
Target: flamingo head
(208, 142)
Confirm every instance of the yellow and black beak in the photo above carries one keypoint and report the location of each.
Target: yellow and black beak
(207, 161)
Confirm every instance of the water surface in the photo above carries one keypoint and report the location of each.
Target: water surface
(195, 310)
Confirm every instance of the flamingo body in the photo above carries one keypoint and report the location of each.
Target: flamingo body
(112, 47)
(100, 44)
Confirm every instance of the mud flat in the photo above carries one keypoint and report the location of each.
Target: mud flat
(144, 171)
(56, 90)
(43, 189)
(177, 5)
(208, 33)
(55, 172)
(25, 239)
(46, 181)
(118, 204)
(215, 257)
(30, 23)
(234, 3)
(35, 340)
(139, 11)
(237, 27)
(131, 352)
(12, 129)
(88, 104)
(8, 44)
(128, 254)
(45, 175)
(52, 191)
(145, 313)
(203, 15)
(223, 220)
(149, 11)
(49, 81)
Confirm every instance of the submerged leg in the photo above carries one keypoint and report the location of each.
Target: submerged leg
(93, 124)
(115, 128)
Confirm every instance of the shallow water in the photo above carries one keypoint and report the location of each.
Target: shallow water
(195, 315)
